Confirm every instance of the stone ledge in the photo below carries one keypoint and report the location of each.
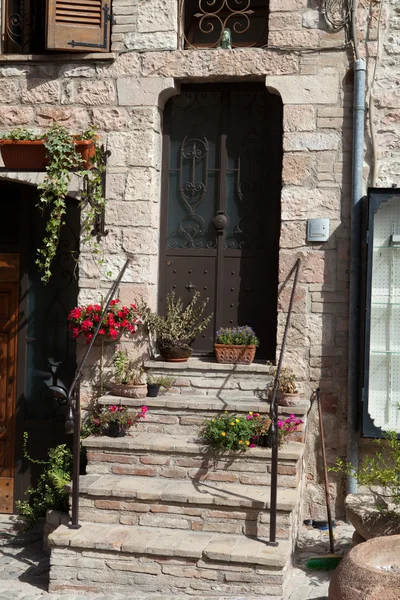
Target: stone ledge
(184, 445)
(201, 364)
(203, 403)
(183, 491)
(166, 542)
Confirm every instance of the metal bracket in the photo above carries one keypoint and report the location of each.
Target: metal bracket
(107, 20)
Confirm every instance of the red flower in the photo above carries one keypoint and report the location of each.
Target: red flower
(75, 333)
(97, 307)
(75, 313)
(102, 331)
(113, 332)
(125, 323)
(86, 324)
(114, 302)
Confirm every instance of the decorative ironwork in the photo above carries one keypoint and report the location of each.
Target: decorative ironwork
(20, 26)
(224, 23)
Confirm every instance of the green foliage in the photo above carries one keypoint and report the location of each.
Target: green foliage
(163, 380)
(287, 380)
(62, 161)
(49, 492)
(237, 336)
(379, 471)
(181, 325)
(229, 432)
(127, 371)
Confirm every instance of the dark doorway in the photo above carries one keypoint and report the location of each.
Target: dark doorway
(46, 351)
(220, 222)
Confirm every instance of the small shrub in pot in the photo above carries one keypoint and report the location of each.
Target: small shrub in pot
(154, 383)
(128, 377)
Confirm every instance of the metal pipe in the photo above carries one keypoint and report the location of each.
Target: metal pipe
(355, 266)
(73, 423)
(273, 430)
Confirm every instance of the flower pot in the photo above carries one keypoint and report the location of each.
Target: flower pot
(153, 389)
(129, 391)
(175, 353)
(231, 354)
(115, 429)
(31, 154)
(285, 399)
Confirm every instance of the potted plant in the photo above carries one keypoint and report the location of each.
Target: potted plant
(60, 153)
(119, 319)
(114, 420)
(128, 377)
(236, 345)
(154, 383)
(177, 330)
(262, 425)
(288, 394)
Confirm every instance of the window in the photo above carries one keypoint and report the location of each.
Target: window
(37, 26)
(243, 23)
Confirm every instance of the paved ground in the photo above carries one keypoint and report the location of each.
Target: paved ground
(24, 567)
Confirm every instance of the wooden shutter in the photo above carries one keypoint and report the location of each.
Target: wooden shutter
(78, 25)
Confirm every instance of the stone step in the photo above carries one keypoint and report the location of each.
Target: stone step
(185, 457)
(202, 376)
(113, 558)
(184, 504)
(185, 414)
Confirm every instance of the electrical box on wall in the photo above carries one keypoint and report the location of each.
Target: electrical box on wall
(381, 392)
(317, 230)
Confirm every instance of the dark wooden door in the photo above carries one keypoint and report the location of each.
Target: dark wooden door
(9, 278)
(221, 206)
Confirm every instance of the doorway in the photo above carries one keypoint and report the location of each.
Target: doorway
(36, 348)
(220, 221)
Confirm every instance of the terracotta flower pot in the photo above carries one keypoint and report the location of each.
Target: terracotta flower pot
(285, 399)
(129, 391)
(230, 354)
(175, 353)
(31, 154)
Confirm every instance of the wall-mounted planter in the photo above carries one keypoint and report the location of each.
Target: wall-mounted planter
(31, 154)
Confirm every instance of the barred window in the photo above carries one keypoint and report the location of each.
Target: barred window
(224, 23)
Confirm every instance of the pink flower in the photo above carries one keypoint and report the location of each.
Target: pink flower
(96, 421)
(145, 409)
(249, 417)
(113, 408)
(121, 408)
(252, 446)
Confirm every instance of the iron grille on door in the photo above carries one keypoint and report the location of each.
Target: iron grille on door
(203, 22)
(221, 209)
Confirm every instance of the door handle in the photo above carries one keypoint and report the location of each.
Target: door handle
(220, 221)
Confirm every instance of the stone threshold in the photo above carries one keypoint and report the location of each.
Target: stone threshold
(203, 403)
(185, 445)
(169, 543)
(208, 364)
(187, 492)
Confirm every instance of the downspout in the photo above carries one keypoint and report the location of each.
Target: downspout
(355, 259)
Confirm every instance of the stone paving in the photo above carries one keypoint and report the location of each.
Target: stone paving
(24, 566)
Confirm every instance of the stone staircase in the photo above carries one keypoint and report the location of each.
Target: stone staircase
(163, 514)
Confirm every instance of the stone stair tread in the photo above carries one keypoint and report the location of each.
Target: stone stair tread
(185, 445)
(204, 364)
(204, 403)
(186, 491)
(172, 543)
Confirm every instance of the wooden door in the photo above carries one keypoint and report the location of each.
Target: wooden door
(9, 284)
(221, 206)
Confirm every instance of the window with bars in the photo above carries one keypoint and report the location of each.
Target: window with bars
(224, 23)
(37, 26)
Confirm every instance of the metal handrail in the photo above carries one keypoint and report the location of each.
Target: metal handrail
(73, 422)
(273, 429)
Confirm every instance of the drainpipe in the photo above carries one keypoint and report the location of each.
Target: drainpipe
(355, 267)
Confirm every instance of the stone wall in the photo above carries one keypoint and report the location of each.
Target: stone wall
(125, 97)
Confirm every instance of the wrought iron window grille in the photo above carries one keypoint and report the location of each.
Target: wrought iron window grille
(223, 23)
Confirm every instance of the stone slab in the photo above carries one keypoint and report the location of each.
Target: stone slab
(201, 364)
(305, 89)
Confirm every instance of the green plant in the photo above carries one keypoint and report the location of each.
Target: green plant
(101, 419)
(49, 492)
(285, 427)
(379, 473)
(229, 432)
(237, 336)
(62, 160)
(127, 371)
(161, 380)
(180, 326)
(287, 380)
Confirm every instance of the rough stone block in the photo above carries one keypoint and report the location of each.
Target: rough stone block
(40, 91)
(146, 91)
(16, 116)
(305, 89)
(97, 92)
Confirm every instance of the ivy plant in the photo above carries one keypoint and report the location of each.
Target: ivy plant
(63, 160)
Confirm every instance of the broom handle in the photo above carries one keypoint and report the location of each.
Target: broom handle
(328, 508)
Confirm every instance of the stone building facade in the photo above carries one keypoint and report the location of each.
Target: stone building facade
(310, 67)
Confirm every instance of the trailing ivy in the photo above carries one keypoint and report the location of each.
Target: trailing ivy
(63, 160)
